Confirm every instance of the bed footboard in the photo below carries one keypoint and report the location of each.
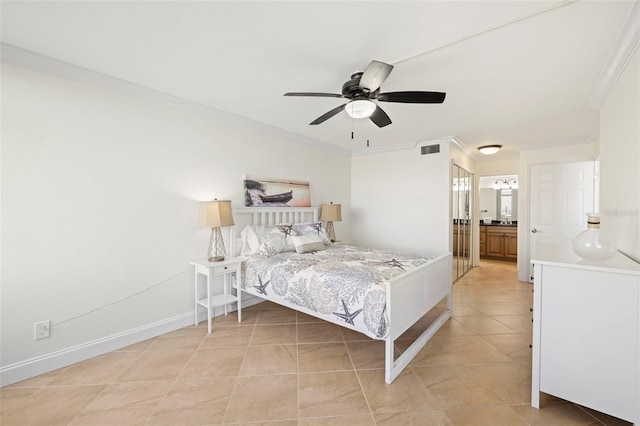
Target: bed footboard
(414, 295)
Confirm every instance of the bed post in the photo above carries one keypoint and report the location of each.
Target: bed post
(388, 360)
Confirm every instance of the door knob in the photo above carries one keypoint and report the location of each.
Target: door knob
(534, 230)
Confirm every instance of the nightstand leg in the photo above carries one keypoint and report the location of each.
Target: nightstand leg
(226, 291)
(209, 301)
(239, 294)
(195, 295)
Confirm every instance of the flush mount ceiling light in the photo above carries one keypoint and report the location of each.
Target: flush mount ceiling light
(362, 108)
(489, 149)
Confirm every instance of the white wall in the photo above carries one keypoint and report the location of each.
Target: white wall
(100, 199)
(620, 161)
(400, 200)
(489, 167)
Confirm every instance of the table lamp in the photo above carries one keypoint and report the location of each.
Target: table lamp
(331, 213)
(218, 214)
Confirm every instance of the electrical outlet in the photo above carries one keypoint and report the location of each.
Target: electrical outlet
(41, 330)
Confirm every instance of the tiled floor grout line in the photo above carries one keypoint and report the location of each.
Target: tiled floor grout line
(297, 371)
(106, 385)
(235, 383)
(173, 383)
(353, 364)
(589, 414)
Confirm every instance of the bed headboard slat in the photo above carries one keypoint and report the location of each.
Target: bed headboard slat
(268, 216)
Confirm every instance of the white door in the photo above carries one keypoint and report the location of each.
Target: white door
(560, 196)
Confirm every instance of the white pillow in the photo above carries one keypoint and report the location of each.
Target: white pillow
(267, 240)
(313, 228)
(250, 244)
(307, 243)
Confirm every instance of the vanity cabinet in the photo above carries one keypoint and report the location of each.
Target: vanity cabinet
(586, 330)
(501, 242)
(483, 241)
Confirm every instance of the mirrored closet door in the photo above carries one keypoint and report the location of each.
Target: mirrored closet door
(462, 220)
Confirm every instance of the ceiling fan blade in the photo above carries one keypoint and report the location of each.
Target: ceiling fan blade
(414, 97)
(375, 74)
(320, 95)
(380, 118)
(327, 115)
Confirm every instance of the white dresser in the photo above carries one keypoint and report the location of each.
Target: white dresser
(586, 330)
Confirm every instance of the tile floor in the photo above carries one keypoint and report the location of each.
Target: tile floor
(279, 367)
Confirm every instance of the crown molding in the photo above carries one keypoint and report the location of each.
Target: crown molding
(399, 147)
(34, 61)
(387, 148)
(580, 140)
(623, 49)
(462, 146)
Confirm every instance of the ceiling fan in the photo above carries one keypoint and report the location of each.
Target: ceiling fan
(363, 88)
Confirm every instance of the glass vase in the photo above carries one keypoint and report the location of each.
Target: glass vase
(592, 243)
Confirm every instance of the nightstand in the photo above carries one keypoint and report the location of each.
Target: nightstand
(210, 270)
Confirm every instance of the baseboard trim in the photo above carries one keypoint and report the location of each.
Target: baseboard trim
(29, 368)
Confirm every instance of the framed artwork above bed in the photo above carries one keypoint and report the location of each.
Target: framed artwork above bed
(272, 192)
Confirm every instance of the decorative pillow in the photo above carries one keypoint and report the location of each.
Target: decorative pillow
(307, 243)
(250, 243)
(313, 228)
(273, 239)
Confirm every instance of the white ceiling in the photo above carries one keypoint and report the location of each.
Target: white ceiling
(516, 73)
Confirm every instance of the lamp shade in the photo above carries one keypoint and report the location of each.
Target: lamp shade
(331, 213)
(218, 214)
(362, 108)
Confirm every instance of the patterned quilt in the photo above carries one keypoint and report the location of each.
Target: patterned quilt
(343, 283)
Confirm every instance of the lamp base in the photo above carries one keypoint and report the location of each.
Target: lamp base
(331, 233)
(216, 246)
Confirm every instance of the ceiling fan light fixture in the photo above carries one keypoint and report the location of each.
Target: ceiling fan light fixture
(489, 149)
(361, 108)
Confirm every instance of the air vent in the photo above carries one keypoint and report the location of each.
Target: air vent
(430, 149)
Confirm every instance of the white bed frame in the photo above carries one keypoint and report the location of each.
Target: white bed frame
(409, 296)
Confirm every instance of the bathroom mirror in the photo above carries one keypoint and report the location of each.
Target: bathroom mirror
(498, 199)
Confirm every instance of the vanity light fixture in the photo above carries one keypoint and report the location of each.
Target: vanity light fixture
(506, 184)
(489, 149)
(360, 108)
